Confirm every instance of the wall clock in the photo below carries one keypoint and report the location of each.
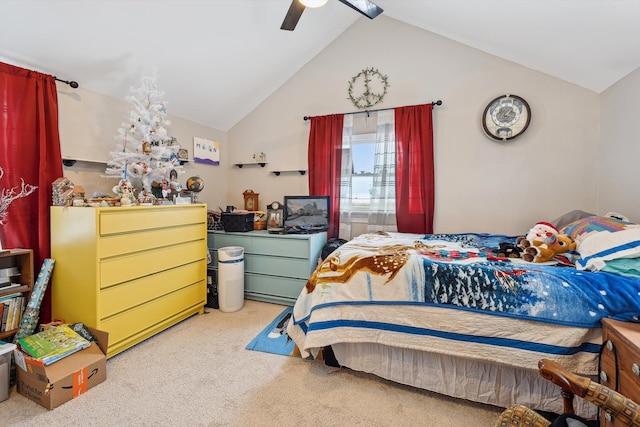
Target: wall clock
(506, 117)
(367, 88)
(250, 200)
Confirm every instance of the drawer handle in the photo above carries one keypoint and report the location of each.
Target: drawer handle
(604, 377)
(635, 369)
(609, 345)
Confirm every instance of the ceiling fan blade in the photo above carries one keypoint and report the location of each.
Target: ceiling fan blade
(365, 7)
(293, 16)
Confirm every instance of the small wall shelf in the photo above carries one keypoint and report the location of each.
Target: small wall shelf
(66, 161)
(240, 165)
(278, 172)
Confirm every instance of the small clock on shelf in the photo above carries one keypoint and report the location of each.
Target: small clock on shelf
(506, 117)
(250, 200)
(275, 217)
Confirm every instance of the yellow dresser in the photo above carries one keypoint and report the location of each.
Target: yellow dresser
(131, 271)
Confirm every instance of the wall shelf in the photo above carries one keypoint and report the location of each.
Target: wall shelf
(278, 172)
(70, 162)
(240, 165)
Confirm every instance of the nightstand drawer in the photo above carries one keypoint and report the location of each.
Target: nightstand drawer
(620, 361)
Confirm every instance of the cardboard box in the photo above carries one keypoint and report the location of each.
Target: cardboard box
(53, 385)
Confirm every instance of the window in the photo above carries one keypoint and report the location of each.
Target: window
(358, 167)
(367, 180)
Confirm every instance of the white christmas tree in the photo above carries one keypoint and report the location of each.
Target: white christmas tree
(144, 149)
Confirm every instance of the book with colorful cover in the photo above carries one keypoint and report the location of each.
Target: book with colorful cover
(53, 344)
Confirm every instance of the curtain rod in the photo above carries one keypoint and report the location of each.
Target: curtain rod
(433, 104)
(69, 82)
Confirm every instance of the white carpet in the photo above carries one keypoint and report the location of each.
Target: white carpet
(198, 373)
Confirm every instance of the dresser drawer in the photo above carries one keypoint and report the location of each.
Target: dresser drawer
(263, 244)
(120, 244)
(218, 241)
(273, 286)
(277, 266)
(128, 267)
(292, 248)
(141, 318)
(119, 298)
(126, 220)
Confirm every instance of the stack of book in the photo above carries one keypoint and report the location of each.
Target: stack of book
(11, 309)
(53, 344)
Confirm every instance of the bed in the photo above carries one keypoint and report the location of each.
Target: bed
(444, 313)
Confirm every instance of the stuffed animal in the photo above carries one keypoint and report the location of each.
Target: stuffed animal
(543, 243)
(543, 232)
(507, 250)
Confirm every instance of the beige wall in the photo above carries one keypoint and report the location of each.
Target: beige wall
(619, 174)
(558, 165)
(88, 125)
(481, 185)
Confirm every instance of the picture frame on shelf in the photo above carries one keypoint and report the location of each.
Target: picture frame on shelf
(275, 216)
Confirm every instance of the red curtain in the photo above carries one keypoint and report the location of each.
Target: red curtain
(415, 192)
(29, 149)
(325, 159)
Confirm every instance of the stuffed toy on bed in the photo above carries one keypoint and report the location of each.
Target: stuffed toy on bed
(543, 243)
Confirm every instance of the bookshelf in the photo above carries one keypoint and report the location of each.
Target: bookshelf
(23, 260)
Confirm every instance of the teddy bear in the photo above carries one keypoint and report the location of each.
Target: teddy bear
(507, 250)
(543, 243)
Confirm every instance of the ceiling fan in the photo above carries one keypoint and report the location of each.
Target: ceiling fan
(365, 7)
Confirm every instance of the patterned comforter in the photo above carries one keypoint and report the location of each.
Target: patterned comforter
(449, 294)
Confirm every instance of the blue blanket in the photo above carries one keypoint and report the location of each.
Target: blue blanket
(549, 293)
(449, 294)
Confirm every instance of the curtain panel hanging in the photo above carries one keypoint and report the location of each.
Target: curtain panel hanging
(382, 211)
(325, 159)
(346, 184)
(29, 149)
(415, 181)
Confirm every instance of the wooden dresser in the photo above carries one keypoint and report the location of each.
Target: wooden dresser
(277, 266)
(620, 363)
(131, 271)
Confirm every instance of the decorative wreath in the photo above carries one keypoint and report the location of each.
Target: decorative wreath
(368, 97)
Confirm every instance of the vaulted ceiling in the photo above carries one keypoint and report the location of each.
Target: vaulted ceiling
(218, 59)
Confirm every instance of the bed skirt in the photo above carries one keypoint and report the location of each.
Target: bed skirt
(473, 380)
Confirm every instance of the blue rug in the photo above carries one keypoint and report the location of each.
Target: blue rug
(274, 338)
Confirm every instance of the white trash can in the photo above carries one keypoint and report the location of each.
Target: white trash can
(230, 278)
(5, 368)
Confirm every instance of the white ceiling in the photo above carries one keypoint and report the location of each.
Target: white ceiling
(218, 59)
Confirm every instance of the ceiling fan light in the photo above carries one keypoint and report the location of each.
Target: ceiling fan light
(313, 3)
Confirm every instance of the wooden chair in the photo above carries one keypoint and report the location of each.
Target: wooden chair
(618, 406)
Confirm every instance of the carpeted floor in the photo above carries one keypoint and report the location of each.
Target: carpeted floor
(198, 373)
